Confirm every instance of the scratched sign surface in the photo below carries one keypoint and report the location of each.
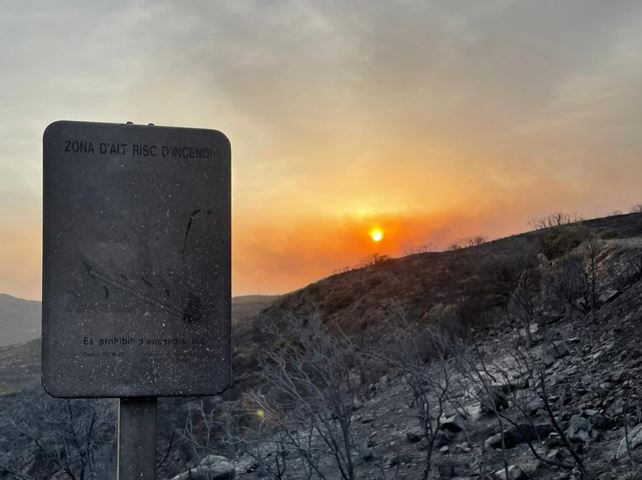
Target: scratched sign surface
(136, 267)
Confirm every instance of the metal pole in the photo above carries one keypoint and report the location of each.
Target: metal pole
(137, 438)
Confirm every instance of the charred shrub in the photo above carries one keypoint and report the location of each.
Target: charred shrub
(609, 234)
(560, 240)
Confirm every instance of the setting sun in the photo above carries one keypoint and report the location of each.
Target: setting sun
(376, 234)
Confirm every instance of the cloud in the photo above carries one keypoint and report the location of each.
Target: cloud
(414, 108)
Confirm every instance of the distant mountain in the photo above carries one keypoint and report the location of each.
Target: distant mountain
(19, 320)
(247, 306)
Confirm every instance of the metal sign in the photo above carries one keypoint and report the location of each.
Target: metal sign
(136, 267)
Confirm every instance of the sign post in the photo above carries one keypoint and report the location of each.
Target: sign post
(137, 438)
(136, 271)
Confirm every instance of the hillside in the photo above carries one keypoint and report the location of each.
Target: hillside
(19, 320)
(575, 378)
(362, 298)
(19, 366)
(474, 280)
(245, 307)
(593, 374)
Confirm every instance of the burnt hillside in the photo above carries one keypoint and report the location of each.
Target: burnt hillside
(473, 281)
(359, 299)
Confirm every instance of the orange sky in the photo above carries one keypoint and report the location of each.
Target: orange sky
(435, 120)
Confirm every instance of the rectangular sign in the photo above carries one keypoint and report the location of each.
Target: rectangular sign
(136, 261)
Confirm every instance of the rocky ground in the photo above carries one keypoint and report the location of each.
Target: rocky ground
(592, 365)
(592, 372)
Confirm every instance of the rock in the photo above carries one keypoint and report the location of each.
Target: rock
(519, 434)
(602, 422)
(367, 455)
(463, 448)
(555, 351)
(618, 407)
(367, 418)
(635, 441)
(372, 390)
(575, 474)
(495, 441)
(446, 470)
(607, 476)
(554, 454)
(617, 376)
(559, 349)
(535, 406)
(514, 473)
(495, 399)
(212, 467)
(245, 464)
(441, 438)
(454, 423)
(590, 412)
(579, 429)
(533, 329)
(372, 440)
(581, 391)
(550, 317)
(607, 296)
(394, 459)
(553, 440)
(414, 435)
(530, 433)
(496, 396)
